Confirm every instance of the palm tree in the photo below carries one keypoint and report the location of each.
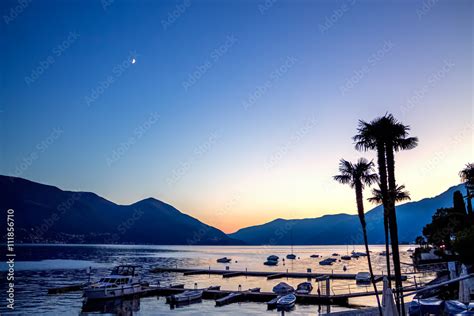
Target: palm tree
(467, 176)
(377, 198)
(369, 137)
(357, 176)
(387, 135)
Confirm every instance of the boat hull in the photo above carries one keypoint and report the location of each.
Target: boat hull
(112, 292)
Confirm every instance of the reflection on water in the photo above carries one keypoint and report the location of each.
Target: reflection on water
(114, 306)
(44, 266)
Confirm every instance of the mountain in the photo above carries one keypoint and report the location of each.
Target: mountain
(44, 213)
(344, 228)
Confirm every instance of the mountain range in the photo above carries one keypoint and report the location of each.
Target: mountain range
(45, 213)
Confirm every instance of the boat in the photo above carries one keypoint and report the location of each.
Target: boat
(327, 262)
(304, 288)
(335, 254)
(383, 253)
(346, 257)
(186, 296)
(224, 260)
(271, 263)
(360, 254)
(282, 289)
(362, 277)
(286, 301)
(273, 258)
(410, 250)
(291, 256)
(314, 256)
(122, 281)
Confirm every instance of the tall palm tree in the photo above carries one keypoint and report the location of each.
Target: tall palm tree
(377, 198)
(357, 176)
(467, 176)
(369, 137)
(396, 140)
(387, 135)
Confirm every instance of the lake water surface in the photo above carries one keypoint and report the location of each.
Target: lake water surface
(39, 267)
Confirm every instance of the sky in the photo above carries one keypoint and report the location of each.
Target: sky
(235, 112)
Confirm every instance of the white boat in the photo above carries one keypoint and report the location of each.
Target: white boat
(273, 258)
(282, 289)
(224, 260)
(287, 301)
(363, 277)
(186, 296)
(122, 281)
(304, 288)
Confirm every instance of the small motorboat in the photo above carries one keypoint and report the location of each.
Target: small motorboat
(186, 296)
(291, 256)
(360, 254)
(273, 258)
(314, 256)
(304, 288)
(362, 278)
(346, 257)
(286, 301)
(282, 289)
(335, 255)
(271, 263)
(327, 262)
(224, 260)
(122, 281)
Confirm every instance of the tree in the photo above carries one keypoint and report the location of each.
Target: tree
(387, 136)
(458, 203)
(420, 241)
(467, 176)
(357, 176)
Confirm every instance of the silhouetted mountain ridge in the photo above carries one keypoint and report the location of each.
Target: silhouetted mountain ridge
(45, 213)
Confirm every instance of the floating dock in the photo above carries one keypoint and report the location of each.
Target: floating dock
(270, 275)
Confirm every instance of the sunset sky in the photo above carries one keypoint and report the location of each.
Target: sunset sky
(235, 112)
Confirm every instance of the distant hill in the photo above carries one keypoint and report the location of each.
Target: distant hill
(45, 213)
(344, 228)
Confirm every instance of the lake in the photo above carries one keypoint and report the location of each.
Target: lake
(39, 267)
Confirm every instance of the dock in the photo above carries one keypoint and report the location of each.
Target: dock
(270, 275)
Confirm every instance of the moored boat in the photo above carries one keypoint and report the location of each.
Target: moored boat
(283, 288)
(304, 288)
(122, 281)
(346, 258)
(186, 296)
(286, 301)
(271, 263)
(291, 256)
(224, 260)
(273, 258)
(327, 261)
(362, 278)
(314, 256)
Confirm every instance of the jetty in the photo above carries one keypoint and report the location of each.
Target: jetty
(270, 275)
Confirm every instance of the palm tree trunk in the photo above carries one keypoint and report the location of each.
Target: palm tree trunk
(394, 228)
(387, 250)
(382, 166)
(360, 209)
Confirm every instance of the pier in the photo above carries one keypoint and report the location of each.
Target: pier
(270, 275)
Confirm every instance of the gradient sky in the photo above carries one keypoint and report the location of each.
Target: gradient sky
(235, 112)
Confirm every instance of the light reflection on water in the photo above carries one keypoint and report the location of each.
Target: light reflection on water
(39, 267)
